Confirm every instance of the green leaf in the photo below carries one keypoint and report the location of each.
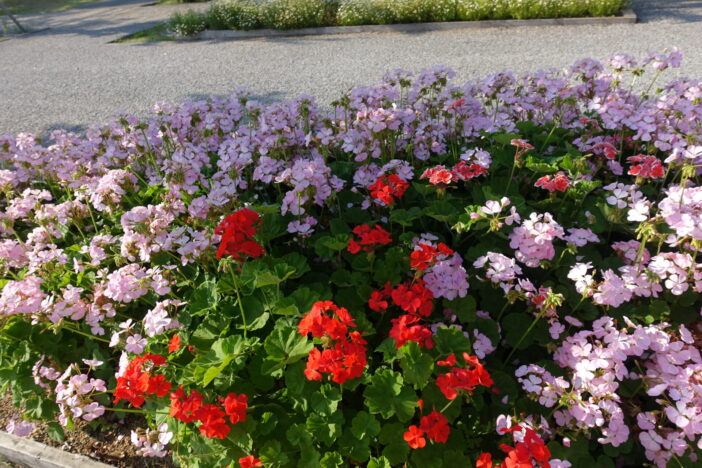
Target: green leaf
(328, 246)
(416, 365)
(326, 428)
(276, 275)
(405, 217)
(55, 431)
(442, 210)
(205, 297)
(272, 454)
(222, 353)
(364, 425)
(387, 396)
(331, 460)
(326, 400)
(284, 346)
(464, 308)
(381, 462)
(451, 340)
(396, 449)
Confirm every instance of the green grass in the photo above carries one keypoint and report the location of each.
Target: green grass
(29, 7)
(153, 34)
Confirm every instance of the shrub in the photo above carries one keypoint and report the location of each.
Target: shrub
(233, 14)
(430, 274)
(291, 14)
(359, 12)
(187, 23)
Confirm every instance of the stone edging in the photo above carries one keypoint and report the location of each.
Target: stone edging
(37, 455)
(628, 16)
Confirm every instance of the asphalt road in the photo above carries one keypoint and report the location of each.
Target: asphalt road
(71, 76)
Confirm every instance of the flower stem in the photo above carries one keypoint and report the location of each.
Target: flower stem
(524, 335)
(238, 299)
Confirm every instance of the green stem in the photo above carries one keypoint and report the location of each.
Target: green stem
(524, 335)
(447, 405)
(127, 410)
(238, 299)
(92, 337)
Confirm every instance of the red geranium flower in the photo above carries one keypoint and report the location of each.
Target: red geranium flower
(344, 356)
(406, 328)
(484, 461)
(438, 175)
(425, 255)
(137, 381)
(436, 427)
(462, 378)
(249, 461)
(414, 437)
(465, 172)
(213, 423)
(387, 188)
(185, 408)
(235, 407)
(414, 299)
(237, 231)
(368, 238)
(174, 344)
(556, 183)
(646, 167)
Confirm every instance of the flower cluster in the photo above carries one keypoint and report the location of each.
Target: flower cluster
(344, 356)
(237, 231)
(433, 425)
(139, 379)
(466, 378)
(388, 188)
(368, 238)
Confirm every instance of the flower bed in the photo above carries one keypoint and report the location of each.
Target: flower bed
(430, 274)
(293, 14)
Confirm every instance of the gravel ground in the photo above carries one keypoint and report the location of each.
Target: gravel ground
(70, 76)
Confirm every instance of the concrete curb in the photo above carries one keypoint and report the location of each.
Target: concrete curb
(628, 16)
(36, 455)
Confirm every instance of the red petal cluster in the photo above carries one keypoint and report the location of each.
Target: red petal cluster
(438, 175)
(344, 356)
(237, 231)
(249, 461)
(462, 378)
(559, 182)
(174, 344)
(426, 255)
(408, 328)
(442, 176)
(369, 238)
(137, 380)
(528, 453)
(646, 166)
(434, 425)
(388, 188)
(414, 299)
(465, 172)
(190, 408)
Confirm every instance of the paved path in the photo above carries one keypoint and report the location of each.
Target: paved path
(70, 76)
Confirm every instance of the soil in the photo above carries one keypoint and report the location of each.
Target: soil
(109, 444)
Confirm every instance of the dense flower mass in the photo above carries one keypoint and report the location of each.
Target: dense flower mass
(501, 273)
